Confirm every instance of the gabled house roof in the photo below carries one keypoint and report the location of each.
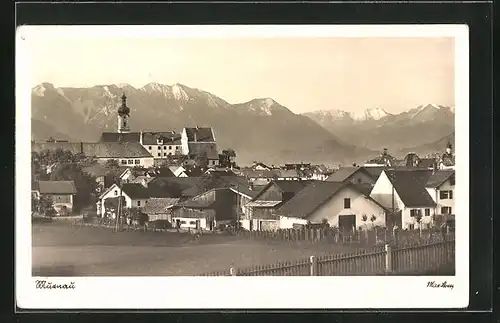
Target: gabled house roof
(313, 196)
(289, 173)
(138, 191)
(54, 187)
(345, 173)
(120, 137)
(98, 150)
(159, 205)
(250, 173)
(410, 186)
(169, 138)
(204, 134)
(284, 187)
(439, 177)
(374, 171)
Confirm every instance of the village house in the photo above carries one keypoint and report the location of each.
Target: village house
(134, 195)
(412, 160)
(260, 177)
(161, 145)
(128, 154)
(340, 205)
(160, 208)
(261, 208)
(61, 193)
(384, 160)
(178, 171)
(441, 187)
(200, 140)
(260, 166)
(355, 175)
(404, 192)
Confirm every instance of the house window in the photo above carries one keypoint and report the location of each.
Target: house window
(138, 203)
(159, 154)
(116, 192)
(164, 154)
(445, 195)
(137, 161)
(183, 222)
(124, 162)
(170, 147)
(150, 147)
(411, 226)
(347, 203)
(427, 212)
(192, 222)
(130, 161)
(415, 212)
(445, 210)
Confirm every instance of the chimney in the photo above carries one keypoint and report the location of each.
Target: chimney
(250, 186)
(81, 147)
(140, 138)
(195, 135)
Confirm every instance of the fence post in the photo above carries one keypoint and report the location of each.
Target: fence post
(388, 258)
(314, 266)
(233, 271)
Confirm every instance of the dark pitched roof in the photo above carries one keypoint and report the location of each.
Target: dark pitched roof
(284, 186)
(169, 138)
(310, 198)
(194, 172)
(209, 148)
(344, 173)
(160, 172)
(202, 134)
(410, 186)
(184, 184)
(56, 187)
(158, 205)
(222, 172)
(427, 162)
(120, 137)
(374, 171)
(138, 191)
(98, 150)
(250, 173)
(364, 188)
(439, 177)
(289, 173)
(96, 170)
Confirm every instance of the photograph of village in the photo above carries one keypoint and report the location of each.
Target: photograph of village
(243, 157)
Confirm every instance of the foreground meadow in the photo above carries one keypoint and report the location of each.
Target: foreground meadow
(63, 250)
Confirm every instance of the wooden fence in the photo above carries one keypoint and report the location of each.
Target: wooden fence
(371, 237)
(431, 257)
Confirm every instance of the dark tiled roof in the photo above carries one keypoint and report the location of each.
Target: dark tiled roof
(202, 134)
(169, 138)
(439, 177)
(250, 173)
(98, 150)
(222, 172)
(343, 174)
(410, 186)
(292, 186)
(159, 205)
(309, 199)
(289, 173)
(209, 148)
(194, 172)
(374, 171)
(96, 170)
(120, 137)
(138, 191)
(427, 162)
(56, 187)
(184, 184)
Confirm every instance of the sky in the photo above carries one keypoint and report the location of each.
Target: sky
(303, 74)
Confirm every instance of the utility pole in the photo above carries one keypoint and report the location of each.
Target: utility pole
(119, 211)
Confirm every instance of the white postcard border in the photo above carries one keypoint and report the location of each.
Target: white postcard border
(240, 292)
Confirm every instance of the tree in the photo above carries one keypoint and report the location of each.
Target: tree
(136, 215)
(227, 158)
(46, 206)
(112, 164)
(201, 159)
(85, 184)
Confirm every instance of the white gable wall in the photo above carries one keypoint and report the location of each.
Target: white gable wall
(382, 192)
(360, 205)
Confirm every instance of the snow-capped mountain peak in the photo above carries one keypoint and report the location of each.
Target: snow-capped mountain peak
(370, 114)
(179, 93)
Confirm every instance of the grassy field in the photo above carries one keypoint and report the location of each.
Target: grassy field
(61, 250)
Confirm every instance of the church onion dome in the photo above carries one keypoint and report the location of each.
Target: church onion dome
(123, 109)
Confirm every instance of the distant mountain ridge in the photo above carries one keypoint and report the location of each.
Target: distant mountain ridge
(260, 129)
(376, 128)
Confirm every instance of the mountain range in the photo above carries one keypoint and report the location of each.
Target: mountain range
(260, 129)
(375, 128)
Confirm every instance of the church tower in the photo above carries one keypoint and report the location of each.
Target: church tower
(123, 116)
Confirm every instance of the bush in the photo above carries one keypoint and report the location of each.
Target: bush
(161, 224)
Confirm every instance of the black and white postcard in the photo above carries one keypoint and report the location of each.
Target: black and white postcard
(232, 166)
